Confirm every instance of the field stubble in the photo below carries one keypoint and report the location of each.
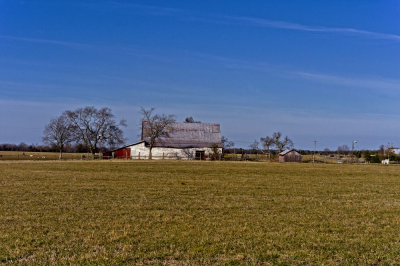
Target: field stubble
(198, 212)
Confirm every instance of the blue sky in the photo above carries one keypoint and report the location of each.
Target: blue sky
(315, 70)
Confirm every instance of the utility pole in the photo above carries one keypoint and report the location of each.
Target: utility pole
(315, 148)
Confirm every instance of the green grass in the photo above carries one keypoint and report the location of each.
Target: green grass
(114, 212)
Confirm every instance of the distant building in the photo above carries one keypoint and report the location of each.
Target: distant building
(289, 156)
(180, 141)
(395, 151)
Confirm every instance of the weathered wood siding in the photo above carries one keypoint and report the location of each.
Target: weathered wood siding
(292, 156)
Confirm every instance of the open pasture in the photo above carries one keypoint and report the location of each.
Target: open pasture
(41, 156)
(170, 212)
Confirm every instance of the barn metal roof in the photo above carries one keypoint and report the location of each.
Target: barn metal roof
(126, 146)
(189, 135)
(286, 151)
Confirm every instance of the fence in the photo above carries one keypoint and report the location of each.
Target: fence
(46, 156)
(43, 156)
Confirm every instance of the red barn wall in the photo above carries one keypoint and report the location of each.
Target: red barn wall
(122, 153)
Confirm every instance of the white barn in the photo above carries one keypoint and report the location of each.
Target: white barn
(182, 141)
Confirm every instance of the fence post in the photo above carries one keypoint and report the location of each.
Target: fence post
(163, 156)
(139, 155)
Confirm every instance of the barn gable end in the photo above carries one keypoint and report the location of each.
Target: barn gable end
(289, 156)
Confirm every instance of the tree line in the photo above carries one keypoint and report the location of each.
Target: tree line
(89, 129)
(71, 147)
(277, 141)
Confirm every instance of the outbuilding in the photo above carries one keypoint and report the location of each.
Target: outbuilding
(289, 155)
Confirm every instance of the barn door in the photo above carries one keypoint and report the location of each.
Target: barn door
(200, 155)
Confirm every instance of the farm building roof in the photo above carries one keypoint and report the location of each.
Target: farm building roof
(188, 135)
(126, 146)
(286, 152)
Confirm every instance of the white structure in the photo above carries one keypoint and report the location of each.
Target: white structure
(395, 151)
(140, 150)
(186, 141)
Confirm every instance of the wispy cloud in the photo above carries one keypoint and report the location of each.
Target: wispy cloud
(251, 21)
(165, 10)
(215, 19)
(260, 22)
(45, 41)
(150, 9)
(388, 85)
(365, 82)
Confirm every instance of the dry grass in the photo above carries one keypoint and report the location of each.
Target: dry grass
(319, 158)
(274, 158)
(198, 213)
(42, 156)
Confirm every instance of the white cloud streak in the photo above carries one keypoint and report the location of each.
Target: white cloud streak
(157, 9)
(45, 41)
(125, 5)
(217, 19)
(251, 21)
(379, 84)
(390, 86)
(260, 22)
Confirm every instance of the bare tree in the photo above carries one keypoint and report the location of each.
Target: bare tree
(96, 127)
(215, 155)
(281, 144)
(267, 142)
(226, 143)
(382, 150)
(58, 132)
(343, 149)
(189, 153)
(154, 126)
(254, 145)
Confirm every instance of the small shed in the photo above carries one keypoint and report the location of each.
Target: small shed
(289, 156)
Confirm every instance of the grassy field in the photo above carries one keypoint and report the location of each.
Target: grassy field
(169, 212)
(274, 158)
(42, 156)
(46, 156)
